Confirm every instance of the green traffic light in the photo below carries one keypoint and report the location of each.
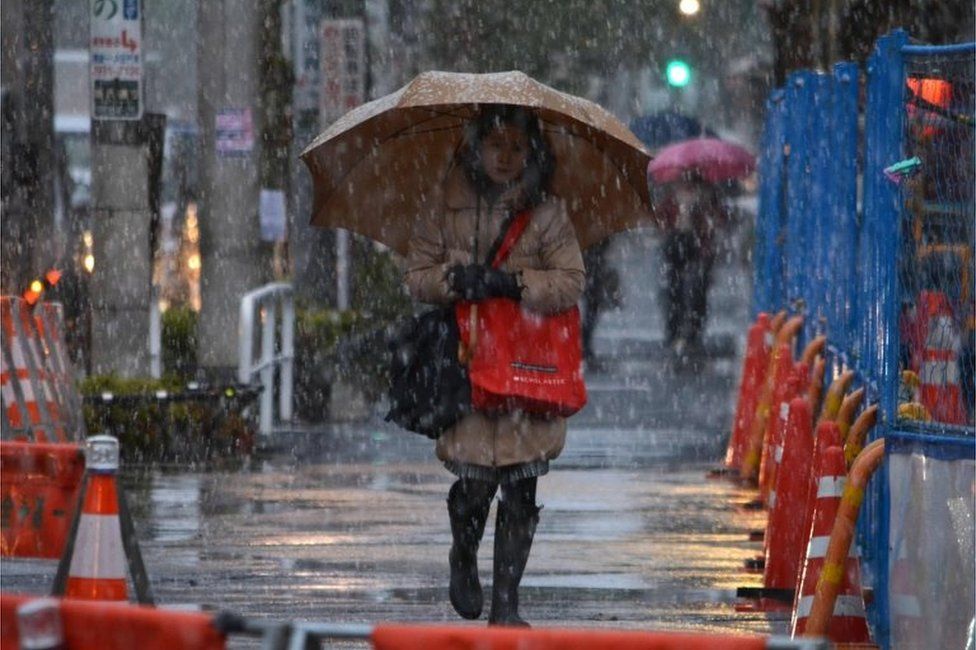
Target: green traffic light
(678, 73)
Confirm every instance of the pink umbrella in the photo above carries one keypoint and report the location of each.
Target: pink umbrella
(711, 159)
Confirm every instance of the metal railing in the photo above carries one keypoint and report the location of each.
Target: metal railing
(265, 304)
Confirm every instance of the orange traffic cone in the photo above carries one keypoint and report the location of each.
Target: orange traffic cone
(940, 391)
(848, 624)
(754, 365)
(794, 387)
(784, 538)
(98, 562)
(826, 434)
(780, 367)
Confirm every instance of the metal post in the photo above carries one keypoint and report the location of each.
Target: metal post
(342, 269)
(245, 339)
(845, 174)
(268, 319)
(155, 336)
(795, 258)
(882, 223)
(286, 373)
(266, 300)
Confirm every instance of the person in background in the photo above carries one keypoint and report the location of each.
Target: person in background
(688, 251)
(602, 292)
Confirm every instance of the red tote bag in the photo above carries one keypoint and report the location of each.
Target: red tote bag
(518, 359)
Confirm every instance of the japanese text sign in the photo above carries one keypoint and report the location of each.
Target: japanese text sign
(116, 59)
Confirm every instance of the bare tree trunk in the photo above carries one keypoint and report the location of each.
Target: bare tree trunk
(792, 28)
(28, 237)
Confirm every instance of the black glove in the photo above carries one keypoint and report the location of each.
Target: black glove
(476, 282)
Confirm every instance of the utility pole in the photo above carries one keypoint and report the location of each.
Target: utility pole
(127, 149)
(234, 260)
(312, 249)
(27, 74)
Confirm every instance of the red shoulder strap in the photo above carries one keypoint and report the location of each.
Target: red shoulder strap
(512, 235)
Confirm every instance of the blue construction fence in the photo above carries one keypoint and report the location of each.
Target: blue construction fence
(866, 227)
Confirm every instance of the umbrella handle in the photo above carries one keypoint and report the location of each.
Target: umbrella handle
(466, 352)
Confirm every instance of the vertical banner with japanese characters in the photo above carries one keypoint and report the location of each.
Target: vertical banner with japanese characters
(116, 59)
(342, 60)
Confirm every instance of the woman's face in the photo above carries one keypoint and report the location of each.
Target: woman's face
(504, 153)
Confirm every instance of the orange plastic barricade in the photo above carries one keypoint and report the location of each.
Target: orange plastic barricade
(39, 485)
(784, 534)
(24, 400)
(115, 626)
(416, 637)
(49, 318)
(31, 365)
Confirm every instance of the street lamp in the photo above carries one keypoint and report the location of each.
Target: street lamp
(689, 7)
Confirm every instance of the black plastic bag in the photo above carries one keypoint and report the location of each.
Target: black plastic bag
(429, 388)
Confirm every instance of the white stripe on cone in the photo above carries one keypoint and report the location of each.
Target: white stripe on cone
(845, 606)
(830, 487)
(939, 373)
(98, 548)
(942, 334)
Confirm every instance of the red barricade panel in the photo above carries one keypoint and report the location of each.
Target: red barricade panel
(112, 626)
(415, 637)
(39, 486)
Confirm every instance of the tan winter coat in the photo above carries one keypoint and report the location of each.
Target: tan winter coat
(548, 257)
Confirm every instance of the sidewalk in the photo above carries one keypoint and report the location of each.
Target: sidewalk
(348, 522)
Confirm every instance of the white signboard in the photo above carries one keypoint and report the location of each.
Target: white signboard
(342, 59)
(116, 59)
(272, 214)
(306, 55)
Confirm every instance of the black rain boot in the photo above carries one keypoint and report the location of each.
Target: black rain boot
(514, 529)
(468, 513)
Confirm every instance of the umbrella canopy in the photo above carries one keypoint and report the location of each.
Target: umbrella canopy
(659, 129)
(714, 160)
(381, 165)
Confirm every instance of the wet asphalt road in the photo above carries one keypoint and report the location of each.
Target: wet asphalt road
(347, 522)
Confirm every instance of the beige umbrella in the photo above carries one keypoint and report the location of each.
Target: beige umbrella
(380, 165)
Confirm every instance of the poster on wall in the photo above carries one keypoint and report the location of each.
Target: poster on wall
(234, 130)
